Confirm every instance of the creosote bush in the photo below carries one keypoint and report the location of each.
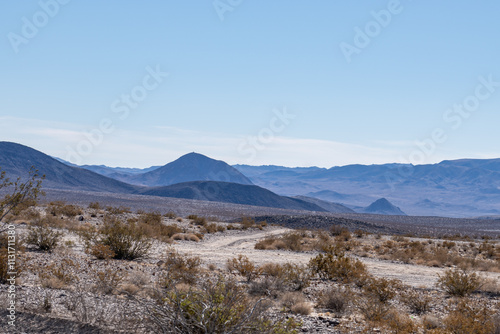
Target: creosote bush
(335, 265)
(126, 241)
(216, 306)
(43, 237)
(180, 269)
(419, 303)
(335, 299)
(468, 317)
(459, 282)
(382, 289)
(244, 267)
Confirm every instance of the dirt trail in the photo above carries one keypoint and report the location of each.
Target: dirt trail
(218, 248)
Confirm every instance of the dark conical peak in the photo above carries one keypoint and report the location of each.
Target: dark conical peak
(194, 156)
(383, 206)
(191, 167)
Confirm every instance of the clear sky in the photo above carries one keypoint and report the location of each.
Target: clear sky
(287, 82)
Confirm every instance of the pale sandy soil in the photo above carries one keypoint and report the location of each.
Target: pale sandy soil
(218, 248)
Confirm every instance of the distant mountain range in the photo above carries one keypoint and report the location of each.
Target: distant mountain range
(16, 160)
(459, 188)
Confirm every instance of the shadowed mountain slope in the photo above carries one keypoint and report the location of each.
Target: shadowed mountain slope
(16, 160)
(231, 193)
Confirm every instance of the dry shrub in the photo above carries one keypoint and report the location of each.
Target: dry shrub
(372, 309)
(180, 269)
(118, 210)
(108, 280)
(267, 286)
(243, 266)
(43, 237)
(57, 275)
(470, 317)
(138, 278)
(271, 269)
(216, 306)
(432, 324)
(200, 221)
(269, 243)
(304, 308)
(151, 218)
(292, 241)
(459, 282)
(211, 228)
(130, 288)
(60, 208)
(400, 323)
(334, 265)
(418, 302)
(296, 276)
(95, 206)
(289, 299)
(491, 286)
(335, 300)
(29, 214)
(247, 223)
(382, 289)
(101, 252)
(170, 215)
(127, 241)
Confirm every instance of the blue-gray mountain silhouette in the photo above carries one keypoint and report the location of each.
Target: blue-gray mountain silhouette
(16, 160)
(383, 207)
(190, 167)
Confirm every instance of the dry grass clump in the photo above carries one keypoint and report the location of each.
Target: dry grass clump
(186, 237)
(459, 282)
(304, 308)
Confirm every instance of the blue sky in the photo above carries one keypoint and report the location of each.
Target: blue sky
(231, 80)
